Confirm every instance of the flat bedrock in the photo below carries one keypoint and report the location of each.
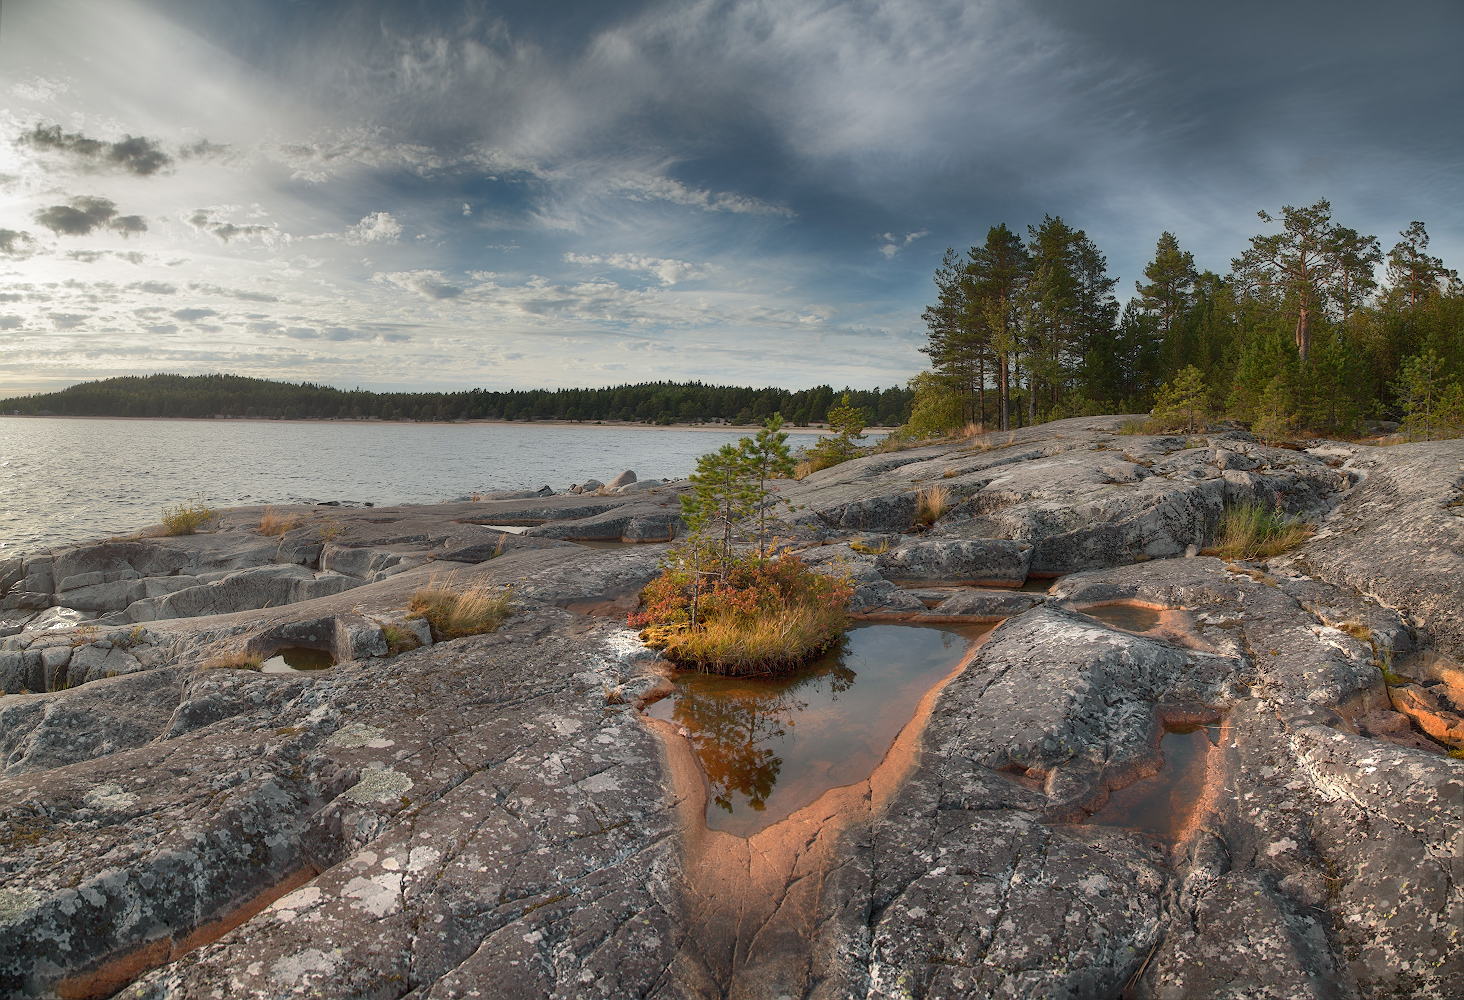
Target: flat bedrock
(492, 814)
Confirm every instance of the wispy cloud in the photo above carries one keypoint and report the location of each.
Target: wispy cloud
(665, 269)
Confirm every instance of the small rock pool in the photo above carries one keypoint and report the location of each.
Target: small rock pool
(1161, 806)
(294, 659)
(772, 745)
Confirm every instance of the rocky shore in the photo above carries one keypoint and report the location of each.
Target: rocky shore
(495, 816)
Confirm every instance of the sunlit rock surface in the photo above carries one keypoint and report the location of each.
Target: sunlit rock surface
(495, 816)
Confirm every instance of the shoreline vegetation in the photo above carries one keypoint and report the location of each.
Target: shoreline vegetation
(655, 403)
(1299, 338)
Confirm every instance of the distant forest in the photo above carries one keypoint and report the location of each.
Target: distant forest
(1299, 335)
(649, 402)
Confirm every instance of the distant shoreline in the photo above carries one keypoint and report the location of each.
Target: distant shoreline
(821, 429)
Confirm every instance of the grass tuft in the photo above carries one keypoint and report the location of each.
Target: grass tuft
(763, 644)
(1251, 532)
(189, 516)
(331, 530)
(234, 661)
(871, 550)
(455, 613)
(277, 524)
(933, 504)
(399, 640)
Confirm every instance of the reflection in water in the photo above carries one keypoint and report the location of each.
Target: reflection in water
(293, 658)
(771, 745)
(1160, 806)
(1129, 617)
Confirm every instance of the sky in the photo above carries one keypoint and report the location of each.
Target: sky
(424, 196)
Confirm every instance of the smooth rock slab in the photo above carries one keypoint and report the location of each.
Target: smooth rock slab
(985, 562)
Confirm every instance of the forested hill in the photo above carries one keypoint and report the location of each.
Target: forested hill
(649, 402)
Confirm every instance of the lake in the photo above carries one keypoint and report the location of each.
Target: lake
(67, 479)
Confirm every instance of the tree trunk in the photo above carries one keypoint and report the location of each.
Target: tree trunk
(1303, 331)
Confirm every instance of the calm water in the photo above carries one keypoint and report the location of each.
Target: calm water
(772, 745)
(1161, 805)
(73, 480)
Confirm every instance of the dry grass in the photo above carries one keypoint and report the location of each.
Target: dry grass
(1250, 531)
(277, 524)
(1132, 427)
(454, 613)
(933, 503)
(766, 644)
(812, 464)
(238, 660)
(189, 516)
(871, 550)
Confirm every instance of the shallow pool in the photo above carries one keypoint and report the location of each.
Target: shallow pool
(771, 745)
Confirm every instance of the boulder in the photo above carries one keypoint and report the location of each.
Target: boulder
(987, 561)
(95, 661)
(987, 605)
(624, 479)
(1420, 705)
(590, 486)
(12, 571)
(103, 596)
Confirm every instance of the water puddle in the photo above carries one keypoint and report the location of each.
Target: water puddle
(1129, 617)
(512, 529)
(1160, 806)
(772, 745)
(294, 659)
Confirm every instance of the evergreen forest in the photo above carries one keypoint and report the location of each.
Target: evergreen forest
(650, 402)
(1314, 328)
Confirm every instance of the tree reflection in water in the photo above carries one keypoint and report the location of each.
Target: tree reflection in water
(771, 745)
(736, 723)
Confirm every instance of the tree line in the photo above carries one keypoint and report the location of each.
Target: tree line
(649, 402)
(1299, 334)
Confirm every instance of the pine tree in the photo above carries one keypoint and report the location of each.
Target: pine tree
(1168, 295)
(767, 458)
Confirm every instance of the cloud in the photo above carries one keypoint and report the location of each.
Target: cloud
(209, 220)
(378, 227)
(11, 322)
(334, 150)
(667, 270)
(132, 154)
(67, 321)
(894, 244)
(428, 284)
(39, 89)
(86, 214)
(16, 244)
(154, 287)
(650, 187)
(193, 315)
(467, 210)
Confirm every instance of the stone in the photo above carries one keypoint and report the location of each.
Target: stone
(988, 561)
(590, 486)
(624, 479)
(12, 571)
(987, 605)
(1420, 705)
(113, 596)
(94, 662)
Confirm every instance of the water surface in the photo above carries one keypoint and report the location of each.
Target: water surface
(1160, 806)
(65, 479)
(772, 745)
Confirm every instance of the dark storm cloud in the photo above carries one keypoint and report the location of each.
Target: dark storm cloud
(134, 154)
(85, 214)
